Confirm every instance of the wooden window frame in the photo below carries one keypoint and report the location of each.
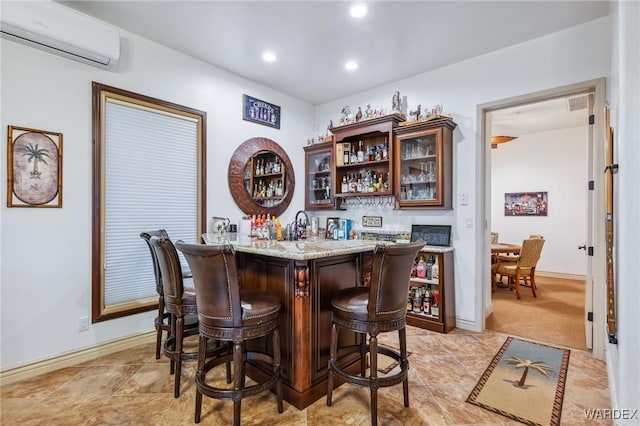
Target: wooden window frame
(100, 94)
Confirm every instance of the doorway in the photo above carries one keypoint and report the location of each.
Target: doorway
(593, 208)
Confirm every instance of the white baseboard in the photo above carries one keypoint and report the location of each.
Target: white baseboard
(560, 275)
(74, 358)
(466, 325)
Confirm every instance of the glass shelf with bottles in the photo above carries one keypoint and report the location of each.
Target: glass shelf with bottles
(364, 182)
(371, 151)
(425, 296)
(424, 301)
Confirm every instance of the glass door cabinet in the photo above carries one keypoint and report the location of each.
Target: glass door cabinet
(423, 170)
(318, 168)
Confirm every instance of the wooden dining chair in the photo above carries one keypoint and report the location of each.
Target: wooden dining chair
(524, 265)
(533, 272)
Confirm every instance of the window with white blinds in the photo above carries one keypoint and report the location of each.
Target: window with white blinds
(150, 179)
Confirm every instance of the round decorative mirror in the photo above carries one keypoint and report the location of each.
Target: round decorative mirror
(261, 178)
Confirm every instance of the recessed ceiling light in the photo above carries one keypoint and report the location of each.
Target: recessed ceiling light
(358, 10)
(351, 65)
(269, 57)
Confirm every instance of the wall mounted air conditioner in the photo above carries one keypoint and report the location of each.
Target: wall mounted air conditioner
(57, 29)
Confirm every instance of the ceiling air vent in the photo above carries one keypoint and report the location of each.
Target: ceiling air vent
(577, 103)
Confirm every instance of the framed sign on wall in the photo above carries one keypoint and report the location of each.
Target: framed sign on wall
(260, 112)
(434, 235)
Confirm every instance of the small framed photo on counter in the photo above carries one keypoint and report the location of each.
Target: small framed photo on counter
(332, 227)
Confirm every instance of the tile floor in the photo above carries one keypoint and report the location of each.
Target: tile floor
(133, 388)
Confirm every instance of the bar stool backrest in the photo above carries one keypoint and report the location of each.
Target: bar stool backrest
(216, 280)
(146, 236)
(171, 272)
(390, 280)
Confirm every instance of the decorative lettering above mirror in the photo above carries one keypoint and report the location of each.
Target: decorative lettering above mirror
(261, 178)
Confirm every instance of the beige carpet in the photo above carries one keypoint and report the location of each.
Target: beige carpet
(556, 316)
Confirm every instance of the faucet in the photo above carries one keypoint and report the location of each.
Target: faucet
(298, 227)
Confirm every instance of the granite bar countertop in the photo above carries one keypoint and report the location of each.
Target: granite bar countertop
(306, 249)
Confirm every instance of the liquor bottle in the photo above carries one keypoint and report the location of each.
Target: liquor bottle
(417, 301)
(366, 183)
(426, 302)
(435, 271)
(421, 269)
(409, 303)
(385, 150)
(346, 157)
(360, 153)
(435, 308)
(278, 230)
(345, 185)
(430, 268)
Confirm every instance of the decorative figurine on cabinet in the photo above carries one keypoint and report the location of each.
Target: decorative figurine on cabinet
(368, 113)
(416, 113)
(346, 117)
(359, 114)
(396, 102)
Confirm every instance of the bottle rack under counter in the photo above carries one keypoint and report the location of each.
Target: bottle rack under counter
(436, 313)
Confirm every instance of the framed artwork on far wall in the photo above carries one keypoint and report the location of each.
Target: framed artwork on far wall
(34, 168)
(526, 203)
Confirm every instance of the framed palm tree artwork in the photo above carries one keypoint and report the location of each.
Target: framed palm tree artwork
(34, 168)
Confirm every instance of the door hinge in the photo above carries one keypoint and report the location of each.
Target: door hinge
(592, 119)
(592, 185)
(590, 316)
(590, 251)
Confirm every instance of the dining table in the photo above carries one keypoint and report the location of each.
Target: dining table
(502, 248)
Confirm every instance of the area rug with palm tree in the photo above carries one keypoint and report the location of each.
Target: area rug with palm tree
(525, 381)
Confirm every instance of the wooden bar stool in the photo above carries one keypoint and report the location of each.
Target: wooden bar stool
(180, 303)
(161, 321)
(229, 314)
(380, 308)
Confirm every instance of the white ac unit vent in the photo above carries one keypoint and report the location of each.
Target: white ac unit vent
(60, 30)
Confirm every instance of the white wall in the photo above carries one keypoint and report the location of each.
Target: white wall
(555, 162)
(46, 253)
(578, 54)
(622, 359)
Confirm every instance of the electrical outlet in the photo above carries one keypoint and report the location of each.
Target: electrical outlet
(83, 323)
(464, 199)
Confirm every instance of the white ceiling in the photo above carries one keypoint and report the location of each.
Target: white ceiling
(313, 39)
